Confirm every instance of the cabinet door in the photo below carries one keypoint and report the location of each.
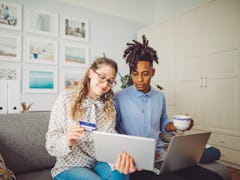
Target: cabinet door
(3, 96)
(221, 66)
(190, 90)
(230, 155)
(189, 34)
(13, 96)
(222, 92)
(221, 25)
(190, 101)
(189, 50)
(222, 105)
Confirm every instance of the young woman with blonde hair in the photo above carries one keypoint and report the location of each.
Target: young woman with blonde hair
(70, 143)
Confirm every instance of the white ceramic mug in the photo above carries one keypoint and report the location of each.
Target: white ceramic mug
(181, 122)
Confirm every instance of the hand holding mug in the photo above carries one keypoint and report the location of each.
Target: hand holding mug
(182, 122)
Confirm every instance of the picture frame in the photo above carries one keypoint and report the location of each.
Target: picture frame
(74, 54)
(11, 16)
(10, 47)
(70, 79)
(10, 71)
(74, 29)
(39, 79)
(42, 22)
(41, 50)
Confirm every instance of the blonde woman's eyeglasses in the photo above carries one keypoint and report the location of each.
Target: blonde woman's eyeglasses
(102, 79)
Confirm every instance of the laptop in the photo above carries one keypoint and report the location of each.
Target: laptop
(183, 151)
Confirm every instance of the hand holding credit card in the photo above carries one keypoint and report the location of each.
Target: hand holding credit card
(88, 127)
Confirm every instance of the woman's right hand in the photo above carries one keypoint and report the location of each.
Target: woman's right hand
(75, 133)
(125, 164)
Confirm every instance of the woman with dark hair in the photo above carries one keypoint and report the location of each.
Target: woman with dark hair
(70, 143)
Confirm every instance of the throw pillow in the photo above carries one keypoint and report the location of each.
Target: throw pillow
(5, 174)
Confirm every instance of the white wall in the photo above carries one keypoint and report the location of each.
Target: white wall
(168, 8)
(142, 11)
(108, 34)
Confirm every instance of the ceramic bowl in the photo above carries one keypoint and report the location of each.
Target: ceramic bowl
(181, 122)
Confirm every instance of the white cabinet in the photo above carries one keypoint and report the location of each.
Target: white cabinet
(3, 96)
(9, 96)
(189, 51)
(208, 77)
(14, 96)
(199, 54)
(10, 87)
(208, 80)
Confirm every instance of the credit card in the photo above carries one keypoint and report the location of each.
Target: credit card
(89, 127)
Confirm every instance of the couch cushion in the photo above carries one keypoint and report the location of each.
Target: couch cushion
(39, 175)
(22, 141)
(219, 168)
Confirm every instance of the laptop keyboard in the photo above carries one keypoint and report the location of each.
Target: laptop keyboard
(158, 164)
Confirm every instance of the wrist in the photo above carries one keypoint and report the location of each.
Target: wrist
(173, 128)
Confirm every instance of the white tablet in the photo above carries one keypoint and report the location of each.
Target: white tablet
(108, 146)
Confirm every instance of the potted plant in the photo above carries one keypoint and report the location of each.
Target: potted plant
(127, 81)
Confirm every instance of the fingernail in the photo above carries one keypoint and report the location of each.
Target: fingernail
(133, 170)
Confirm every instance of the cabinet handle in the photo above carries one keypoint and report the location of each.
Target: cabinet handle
(205, 82)
(201, 82)
(1, 108)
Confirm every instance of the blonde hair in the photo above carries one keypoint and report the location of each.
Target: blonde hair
(109, 110)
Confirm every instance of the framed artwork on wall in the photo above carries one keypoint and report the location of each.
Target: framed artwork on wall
(11, 16)
(41, 50)
(10, 47)
(74, 54)
(70, 79)
(42, 22)
(37, 79)
(75, 29)
(10, 71)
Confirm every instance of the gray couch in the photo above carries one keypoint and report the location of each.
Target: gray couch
(22, 144)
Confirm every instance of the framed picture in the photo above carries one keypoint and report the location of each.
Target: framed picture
(75, 29)
(10, 47)
(42, 51)
(74, 54)
(70, 79)
(38, 79)
(10, 16)
(10, 71)
(42, 22)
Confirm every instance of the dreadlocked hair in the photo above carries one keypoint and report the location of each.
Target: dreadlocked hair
(107, 98)
(137, 51)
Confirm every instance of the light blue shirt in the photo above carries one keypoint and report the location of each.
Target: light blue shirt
(141, 114)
